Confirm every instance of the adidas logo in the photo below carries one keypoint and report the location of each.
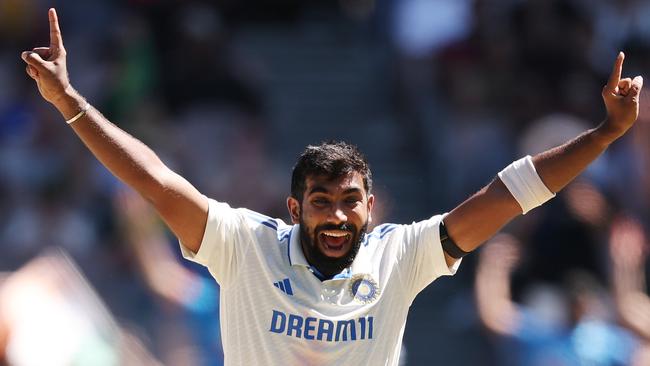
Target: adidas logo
(284, 286)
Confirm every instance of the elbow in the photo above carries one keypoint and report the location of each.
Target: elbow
(154, 183)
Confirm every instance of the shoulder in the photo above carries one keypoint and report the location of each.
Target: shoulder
(381, 232)
(263, 225)
(222, 215)
(380, 235)
(255, 219)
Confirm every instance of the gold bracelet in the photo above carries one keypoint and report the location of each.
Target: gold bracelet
(83, 111)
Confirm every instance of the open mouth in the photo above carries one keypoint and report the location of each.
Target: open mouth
(334, 240)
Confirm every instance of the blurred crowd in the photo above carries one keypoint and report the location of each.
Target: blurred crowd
(473, 85)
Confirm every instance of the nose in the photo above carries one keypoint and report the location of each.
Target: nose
(337, 215)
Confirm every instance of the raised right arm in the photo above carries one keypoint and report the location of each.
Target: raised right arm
(183, 208)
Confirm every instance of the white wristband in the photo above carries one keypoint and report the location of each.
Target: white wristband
(524, 184)
(81, 113)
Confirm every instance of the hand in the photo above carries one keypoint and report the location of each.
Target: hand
(47, 65)
(621, 98)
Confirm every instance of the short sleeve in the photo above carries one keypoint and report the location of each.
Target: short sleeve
(421, 258)
(225, 231)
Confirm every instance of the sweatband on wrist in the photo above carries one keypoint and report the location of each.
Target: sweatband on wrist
(81, 113)
(524, 184)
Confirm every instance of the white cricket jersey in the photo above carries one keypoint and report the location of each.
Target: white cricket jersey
(276, 311)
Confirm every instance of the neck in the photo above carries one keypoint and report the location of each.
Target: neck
(323, 273)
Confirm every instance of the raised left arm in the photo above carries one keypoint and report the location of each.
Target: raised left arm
(482, 215)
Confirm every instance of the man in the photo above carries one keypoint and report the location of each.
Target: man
(323, 291)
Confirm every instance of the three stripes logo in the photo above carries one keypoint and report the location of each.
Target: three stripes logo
(284, 286)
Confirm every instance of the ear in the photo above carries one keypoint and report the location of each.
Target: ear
(294, 209)
(371, 202)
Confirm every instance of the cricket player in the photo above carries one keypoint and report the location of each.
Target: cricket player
(321, 290)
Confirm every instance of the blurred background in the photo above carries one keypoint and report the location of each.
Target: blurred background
(439, 94)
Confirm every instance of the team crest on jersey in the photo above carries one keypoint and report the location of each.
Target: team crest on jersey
(364, 288)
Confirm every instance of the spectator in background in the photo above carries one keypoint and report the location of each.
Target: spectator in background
(629, 250)
(562, 326)
(190, 302)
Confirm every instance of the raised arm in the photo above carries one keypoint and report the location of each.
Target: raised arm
(482, 215)
(181, 206)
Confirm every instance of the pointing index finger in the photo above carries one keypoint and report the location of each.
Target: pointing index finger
(615, 77)
(56, 41)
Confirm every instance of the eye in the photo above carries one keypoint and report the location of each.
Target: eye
(352, 200)
(320, 202)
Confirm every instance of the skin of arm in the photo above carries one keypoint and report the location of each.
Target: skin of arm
(482, 215)
(183, 208)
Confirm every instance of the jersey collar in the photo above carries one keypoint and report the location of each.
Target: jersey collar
(296, 256)
(361, 263)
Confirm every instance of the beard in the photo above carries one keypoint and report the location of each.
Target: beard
(329, 266)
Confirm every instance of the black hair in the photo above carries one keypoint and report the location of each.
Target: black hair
(332, 159)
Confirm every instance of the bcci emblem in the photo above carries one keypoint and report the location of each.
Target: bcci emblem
(363, 288)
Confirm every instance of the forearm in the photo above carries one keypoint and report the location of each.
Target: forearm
(125, 156)
(557, 167)
(183, 208)
(552, 171)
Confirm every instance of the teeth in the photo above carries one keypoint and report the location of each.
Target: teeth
(336, 234)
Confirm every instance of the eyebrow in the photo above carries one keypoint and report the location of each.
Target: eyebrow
(321, 189)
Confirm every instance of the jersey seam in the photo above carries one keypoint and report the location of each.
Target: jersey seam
(242, 220)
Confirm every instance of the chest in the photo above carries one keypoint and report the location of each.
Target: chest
(299, 305)
(284, 302)
(296, 289)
